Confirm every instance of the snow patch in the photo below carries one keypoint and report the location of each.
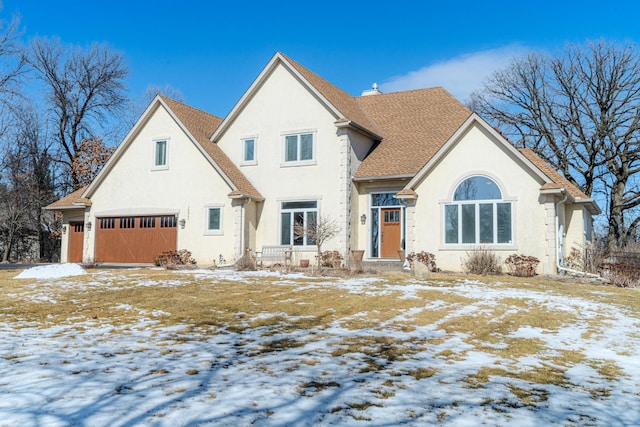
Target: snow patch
(52, 271)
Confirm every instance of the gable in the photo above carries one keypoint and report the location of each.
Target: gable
(343, 107)
(170, 118)
(132, 180)
(476, 155)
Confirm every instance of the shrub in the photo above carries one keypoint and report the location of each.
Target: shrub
(620, 275)
(331, 259)
(247, 262)
(425, 258)
(174, 258)
(522, 265)
(482, 261)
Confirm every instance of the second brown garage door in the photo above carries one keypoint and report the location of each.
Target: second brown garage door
(134, 239)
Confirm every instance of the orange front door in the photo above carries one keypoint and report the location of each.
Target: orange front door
(76, 241)
(390, 233)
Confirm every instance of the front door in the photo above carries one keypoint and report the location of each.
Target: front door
(76, 241)
(390, 232)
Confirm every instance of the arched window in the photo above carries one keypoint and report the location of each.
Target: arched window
(478, 214)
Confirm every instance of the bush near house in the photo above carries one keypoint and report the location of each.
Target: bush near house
(331, 259)
(247, 262)
(426, 258)
(174, 258)
(482, 261)
(620, 275)
(522, 265)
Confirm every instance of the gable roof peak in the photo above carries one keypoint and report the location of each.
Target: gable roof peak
(342, 105)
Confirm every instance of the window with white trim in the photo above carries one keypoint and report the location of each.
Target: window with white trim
(478, 214)
(160, 154)
(298, 148)
(214, 219)
(249, 151)
(296, 217)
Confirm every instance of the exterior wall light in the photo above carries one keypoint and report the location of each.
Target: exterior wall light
(363, 219)
(89, 226)
(183, 222)
(64, 229)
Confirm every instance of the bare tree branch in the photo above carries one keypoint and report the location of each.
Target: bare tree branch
(580, 111)
(83, 88)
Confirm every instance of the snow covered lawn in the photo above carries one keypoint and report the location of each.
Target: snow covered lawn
(163, 348)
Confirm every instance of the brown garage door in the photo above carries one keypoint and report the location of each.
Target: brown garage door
(135, 239)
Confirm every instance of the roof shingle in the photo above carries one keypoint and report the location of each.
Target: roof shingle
(72, 200)
(415, 125)
(341, 100)
(202, 125)
(559, 180)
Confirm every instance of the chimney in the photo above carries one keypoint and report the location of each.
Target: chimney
(373, 91)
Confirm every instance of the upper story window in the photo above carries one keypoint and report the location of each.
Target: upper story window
(249, 151)
(160, 154)
(299, 148)
(478, 214)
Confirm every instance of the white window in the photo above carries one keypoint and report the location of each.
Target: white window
(478, 214)
(160, 154)
(299, 148)
(214, 220)
(296, 218)
(249, 151)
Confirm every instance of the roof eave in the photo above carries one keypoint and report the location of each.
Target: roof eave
(238, 196)
(381, 177)
(358, 128)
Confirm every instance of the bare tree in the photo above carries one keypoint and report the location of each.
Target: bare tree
(580, 111)
(27, 187)
(91, 156)
(84, 89)
(12, 59)
(318, 230)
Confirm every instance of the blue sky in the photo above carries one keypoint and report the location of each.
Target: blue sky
(211, 51)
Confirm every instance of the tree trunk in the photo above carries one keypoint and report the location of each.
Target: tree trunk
(7, 248)
(616, 232)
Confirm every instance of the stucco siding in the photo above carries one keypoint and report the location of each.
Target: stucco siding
(477, 153)
(188, 186)
(281, 106)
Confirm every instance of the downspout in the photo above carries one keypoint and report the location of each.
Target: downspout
(243, 212)
(243, 225)
(559, 236)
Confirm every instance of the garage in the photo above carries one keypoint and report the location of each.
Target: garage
(135, 239)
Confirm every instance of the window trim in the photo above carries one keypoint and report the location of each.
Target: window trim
(244, 161)
(459, 245)
(298, 162)
(292, 211)
(154, 165)
(207, 211)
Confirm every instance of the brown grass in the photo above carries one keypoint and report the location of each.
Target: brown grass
(122, 298)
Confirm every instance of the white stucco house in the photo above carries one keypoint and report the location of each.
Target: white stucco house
(412, 170)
